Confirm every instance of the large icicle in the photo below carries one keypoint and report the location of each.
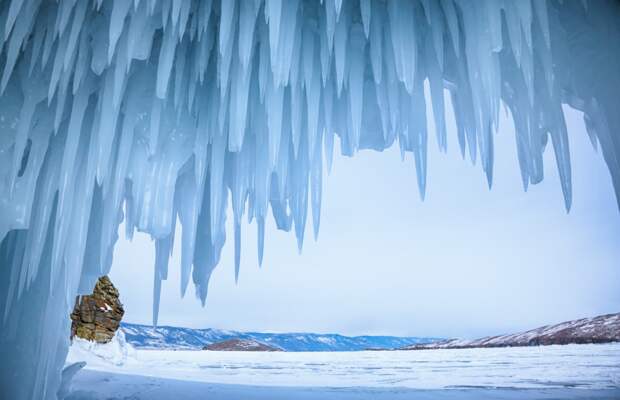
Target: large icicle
(156, 111)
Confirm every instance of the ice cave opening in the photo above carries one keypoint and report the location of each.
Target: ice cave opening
(153, 111)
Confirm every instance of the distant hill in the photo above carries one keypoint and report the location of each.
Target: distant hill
(240, 345)
(601, 329)
(167, 337)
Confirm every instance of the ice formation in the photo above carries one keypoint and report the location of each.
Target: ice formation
(153, 111)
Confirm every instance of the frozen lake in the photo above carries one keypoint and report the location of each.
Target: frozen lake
(572, 371)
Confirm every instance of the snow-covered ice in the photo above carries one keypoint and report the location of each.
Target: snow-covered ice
(111, 386)
(580, 368)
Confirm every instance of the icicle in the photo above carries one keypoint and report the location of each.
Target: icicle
(401, 13)
(117, 21)
(365, 9)
(273, 12)
(418, 136)
(437, 98)
(316, 182)
(237, 250)
(453, 24)
(340, 52)
(247, 20)
(260, 224)
(238, 107)
(166, 59)
(376, 44)
(356, 82)
(338, 7)
(14, 9)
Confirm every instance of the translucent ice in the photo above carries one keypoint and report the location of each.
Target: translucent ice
(157, 111)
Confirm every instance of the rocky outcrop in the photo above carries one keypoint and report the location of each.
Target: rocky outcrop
(96, 317)
(240, 345)
(601, 329)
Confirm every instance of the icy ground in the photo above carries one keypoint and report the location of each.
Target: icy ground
(566, 372)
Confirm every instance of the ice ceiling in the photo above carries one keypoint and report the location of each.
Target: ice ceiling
(153, 111)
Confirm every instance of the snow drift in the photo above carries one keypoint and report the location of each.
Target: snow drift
(153, 111)
(116, 352)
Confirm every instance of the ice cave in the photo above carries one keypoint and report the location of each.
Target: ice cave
(153, 112)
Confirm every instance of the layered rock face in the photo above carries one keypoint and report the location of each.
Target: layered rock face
(96, 317)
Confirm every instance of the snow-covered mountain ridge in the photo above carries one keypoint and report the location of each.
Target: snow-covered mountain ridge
(168, 337)
(600, 329)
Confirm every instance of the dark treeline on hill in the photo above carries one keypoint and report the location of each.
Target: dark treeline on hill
(600, 329)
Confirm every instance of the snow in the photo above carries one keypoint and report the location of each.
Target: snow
(115, 353)
(160, 112)
(107, 308)
(582, 368)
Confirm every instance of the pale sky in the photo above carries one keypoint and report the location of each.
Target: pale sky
(466, 262)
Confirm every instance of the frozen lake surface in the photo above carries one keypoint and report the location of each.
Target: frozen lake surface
(572, 371)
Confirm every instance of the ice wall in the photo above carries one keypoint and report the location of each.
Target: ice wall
(153, 111)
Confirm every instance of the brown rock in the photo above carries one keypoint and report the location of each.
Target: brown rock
(97, 317)
(240, 345)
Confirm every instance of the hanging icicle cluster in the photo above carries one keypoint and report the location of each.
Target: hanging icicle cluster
(153, 111)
